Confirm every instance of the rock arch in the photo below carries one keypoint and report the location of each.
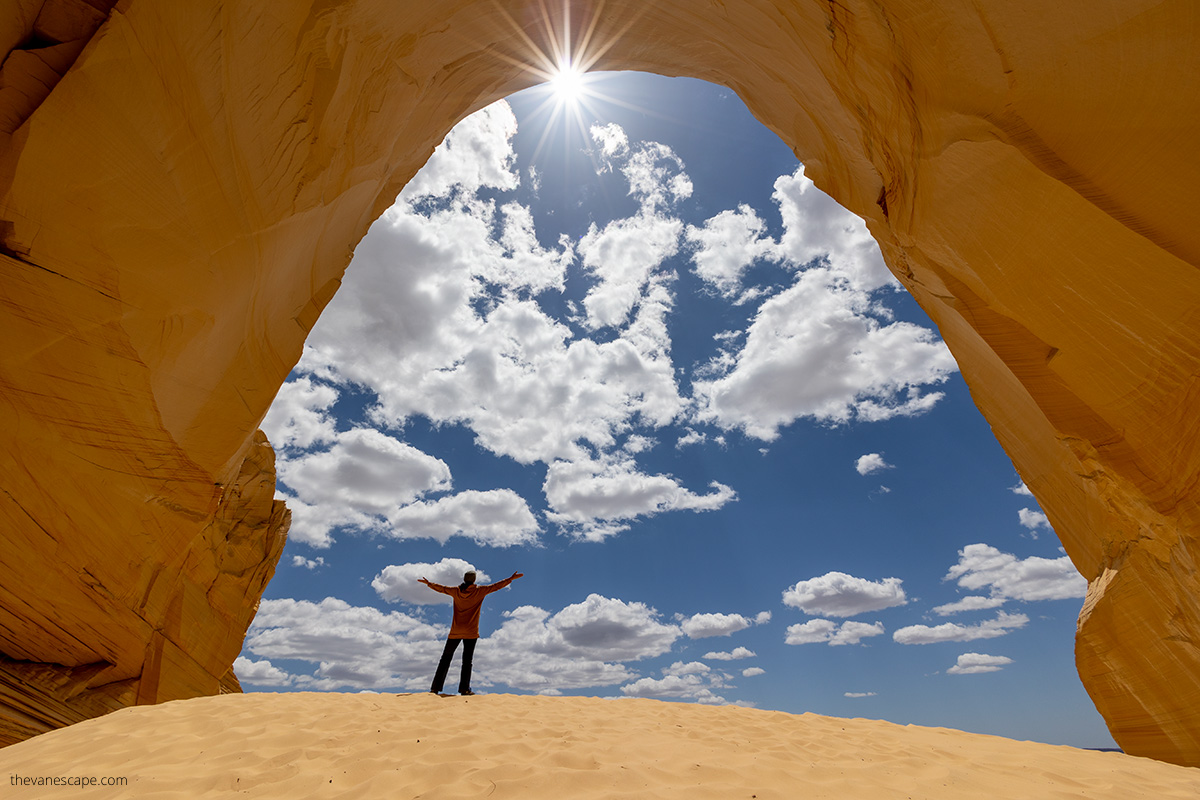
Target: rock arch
(182, 184)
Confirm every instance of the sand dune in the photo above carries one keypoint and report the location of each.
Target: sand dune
(505, 746)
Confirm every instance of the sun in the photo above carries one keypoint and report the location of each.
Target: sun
(567, 83)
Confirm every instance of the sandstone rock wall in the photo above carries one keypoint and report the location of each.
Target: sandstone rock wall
(179, 200)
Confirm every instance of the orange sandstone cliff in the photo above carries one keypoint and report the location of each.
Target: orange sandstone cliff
(182, 184)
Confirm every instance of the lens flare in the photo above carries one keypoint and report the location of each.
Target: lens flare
(567, 83)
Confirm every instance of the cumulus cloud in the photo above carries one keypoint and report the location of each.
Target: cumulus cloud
(870, 463)
(816, 227)
(354, 647)
(751, 672)
(952, 632)
(818, 631)
(680, 681)
(623, 255)
(308, 563)
(576, 647)
(259, 673)
(399, 582)
(613, 629)
(299, 416)
(971, 603)
(439, 318)
(674, 687)
(725, 245)
(733, 655)
(581, 646)
(365, 470)
(816, 350)
(1021, 489)
(361, 478)
(499, 518)
(476, 154)
(1033, 520)
(593, 499)
(980, 566)
(976, 663)
(702, 626)
(837, 594)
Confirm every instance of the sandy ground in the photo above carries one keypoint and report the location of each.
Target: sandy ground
(506, 746)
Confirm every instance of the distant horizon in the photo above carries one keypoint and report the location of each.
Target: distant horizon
(639, 357)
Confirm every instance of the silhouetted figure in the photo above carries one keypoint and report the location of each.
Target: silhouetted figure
(468, 602)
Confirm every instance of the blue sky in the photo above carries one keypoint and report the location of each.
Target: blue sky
(623, 345)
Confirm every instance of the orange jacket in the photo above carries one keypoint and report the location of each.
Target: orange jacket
(467, 605)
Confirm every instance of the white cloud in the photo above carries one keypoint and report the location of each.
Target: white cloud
(259, 673)
(762, 618)
(299, 416)
(726, 245)
(691, 437)
(613, 142)
(365, 470)
(837, 594)
(976, 663)
(1021, 489)
(362, 478)
(680, 681)
(1033, 520)
(870, 463)
(734, 655)
(981, 565)
(860, 694)
(816, 227)
(971, 603)
(593, 499)
(308, 563)
(674, 687)
(751, 672)
(854, 632)
(814, 631)
(623, 255)
(702, 626)
(529, 651)
(399, 582)
(818, 631)
(475, 154)
(816, 350)
(534, 650)
(689, 668)
(656, 176)
(952, 632)
(498, 518)
(603, 627)
(353, 647)
(412, 329)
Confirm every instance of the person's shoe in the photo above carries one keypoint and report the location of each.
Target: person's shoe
(467, 693)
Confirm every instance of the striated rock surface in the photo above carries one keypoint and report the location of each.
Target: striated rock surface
(180, 194)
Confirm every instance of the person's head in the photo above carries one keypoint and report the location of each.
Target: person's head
(469, 578)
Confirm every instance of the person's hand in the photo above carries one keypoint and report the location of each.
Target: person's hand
(516, 575)
(423, 580)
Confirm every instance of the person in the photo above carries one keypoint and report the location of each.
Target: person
(468, 602)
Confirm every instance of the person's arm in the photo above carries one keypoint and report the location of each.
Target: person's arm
(437, 587)
(498, 585)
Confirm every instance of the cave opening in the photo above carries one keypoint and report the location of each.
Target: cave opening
(618, 341)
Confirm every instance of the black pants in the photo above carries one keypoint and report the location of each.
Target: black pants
(464, 682)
